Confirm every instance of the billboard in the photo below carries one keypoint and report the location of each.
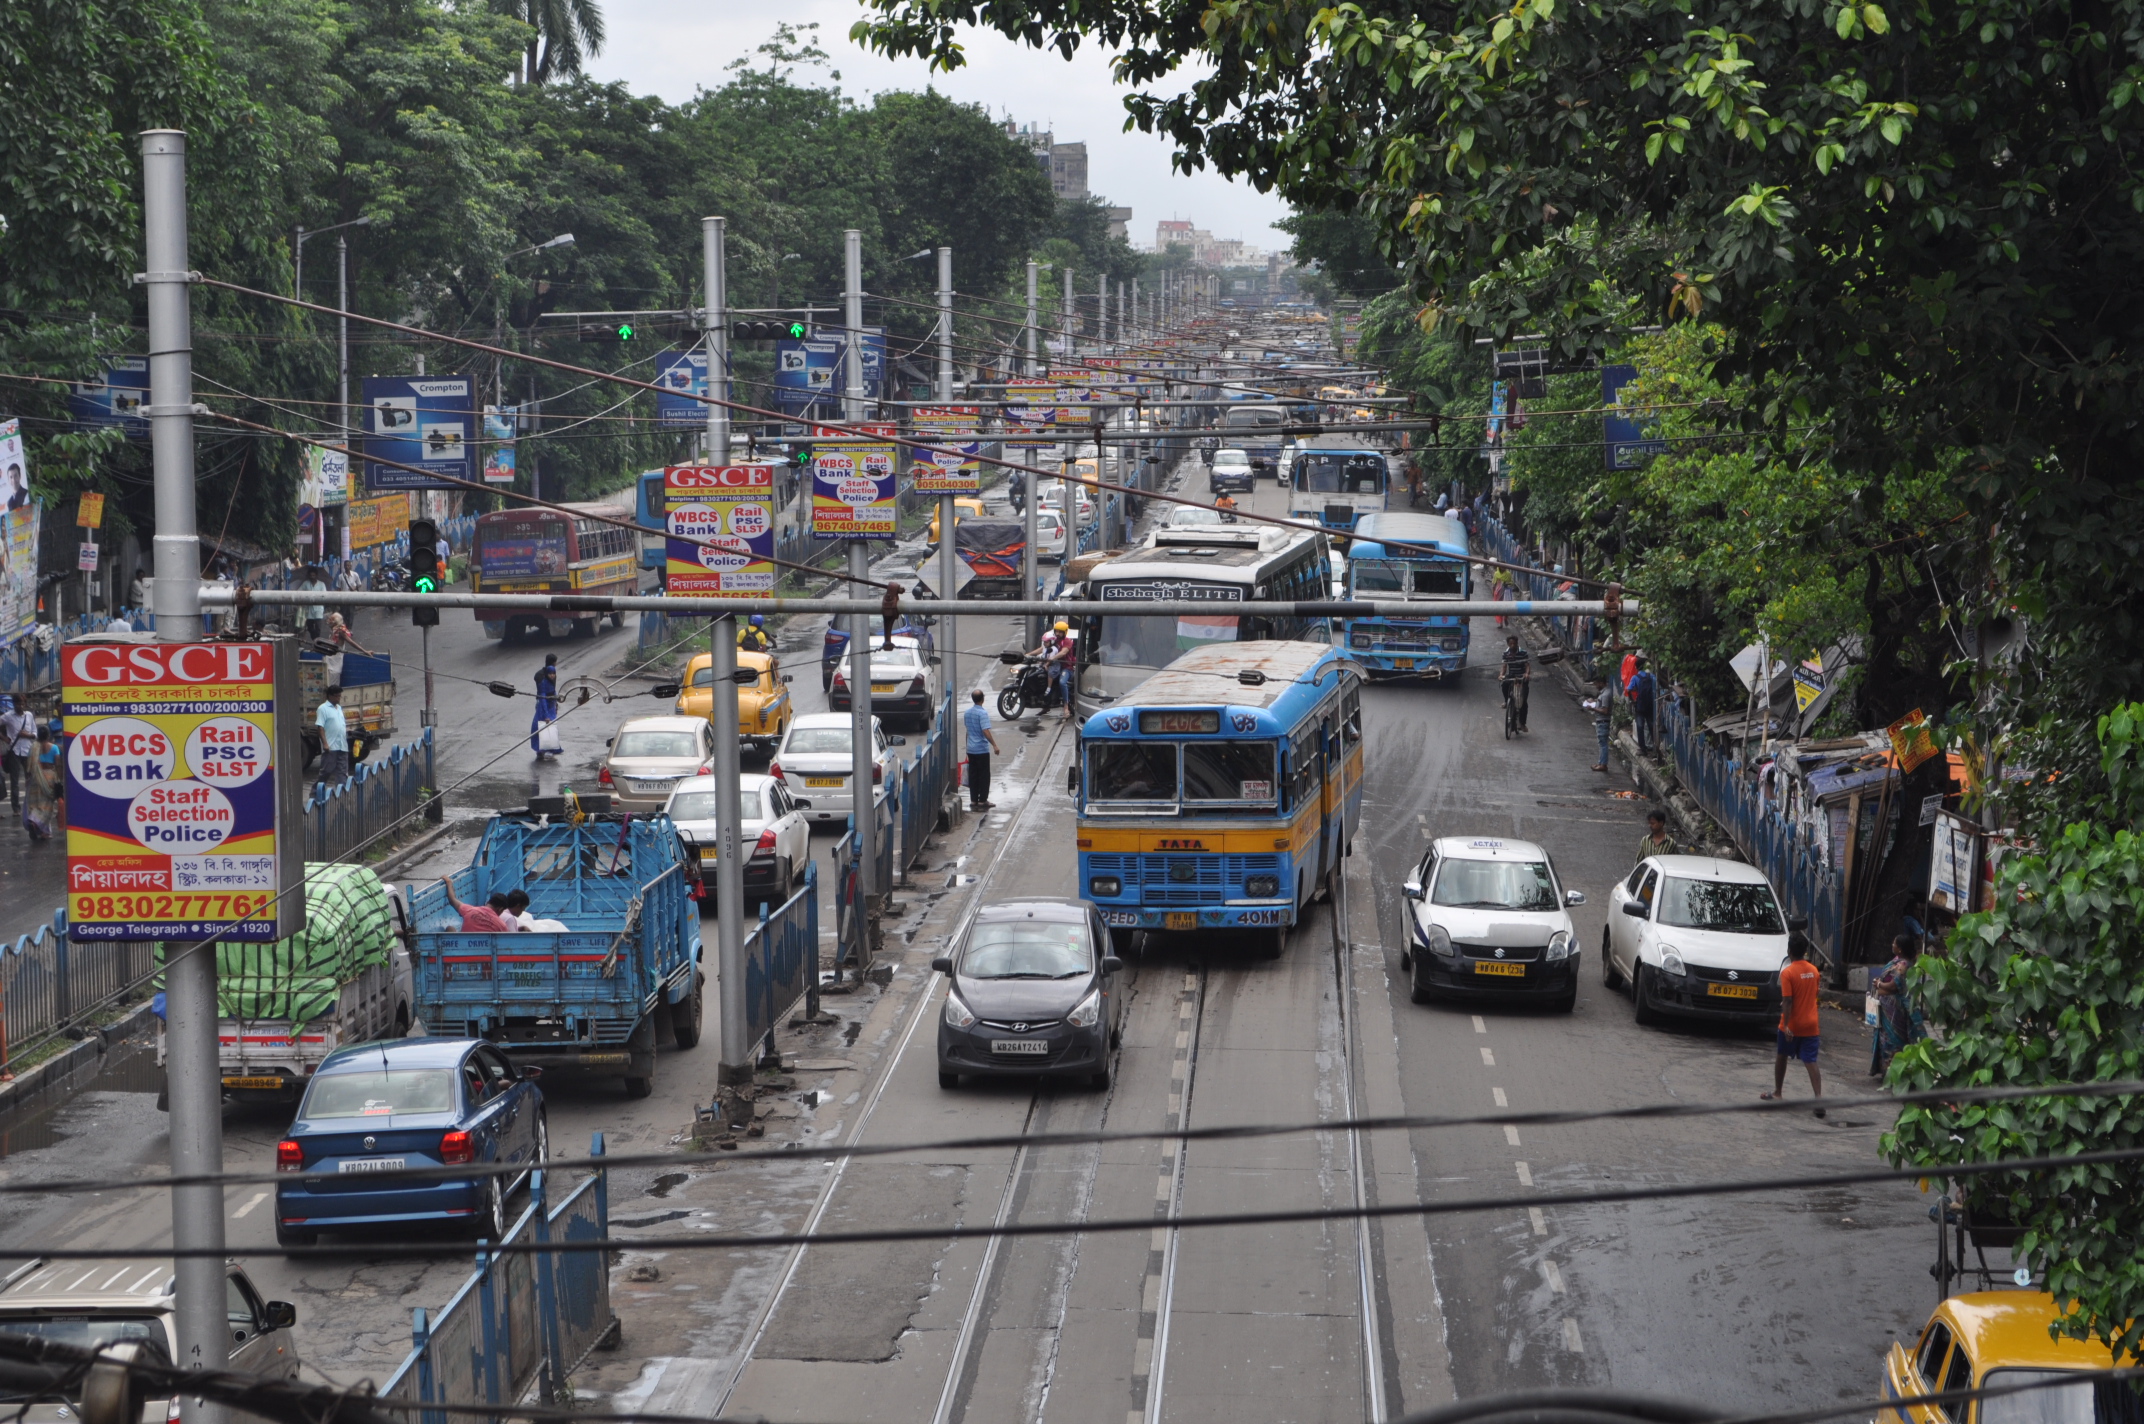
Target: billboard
(950, 468)
(720, 519)
(182, 789)
(20, 517)
(1030, 411)
(685, 374)
(376, 521)
(117, 400)
(1627, 446)
(426, 421)
(499, 423)
(812, 370)
(852, 485)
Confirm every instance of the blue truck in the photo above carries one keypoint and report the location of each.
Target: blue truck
(612, 968)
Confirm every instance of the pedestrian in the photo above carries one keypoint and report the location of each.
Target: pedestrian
(1602, 708)
(18, 742)
(1800, 1026)
(981, 744)
(315, 613)
(1898, 1012)
(443, 549)
(1515, 675)
(1657, 841)
(349, 581)
(137, 590)
(42, 791)
(119, 625)
(334, 737)
(478, 919)
(1626, 672)
(339, 635)
(546, 707)
(1641, 690)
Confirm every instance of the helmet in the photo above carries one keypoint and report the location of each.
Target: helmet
(1063, 627)
(758, 619)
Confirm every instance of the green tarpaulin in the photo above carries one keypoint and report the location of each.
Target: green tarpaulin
(349, 928)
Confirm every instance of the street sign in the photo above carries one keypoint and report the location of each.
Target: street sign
(182, 789)
(117, 400)
(681, 374)
(89, 510)
(852, 485)
(729, 511)
(813, 370)
(85, 558)
(423, 421)
(1627, 446)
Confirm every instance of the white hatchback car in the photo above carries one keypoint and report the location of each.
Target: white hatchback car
(1489, 918)
(773, 833)
(1696, 935)
(813, 763)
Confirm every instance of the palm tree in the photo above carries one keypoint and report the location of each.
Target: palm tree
(567, 33)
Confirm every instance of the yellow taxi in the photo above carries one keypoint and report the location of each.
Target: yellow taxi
(964, 507)
(763, 706)
(1986, 1339)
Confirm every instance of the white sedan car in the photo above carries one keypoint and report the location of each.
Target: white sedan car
(1698, 936)
(904, 682)
(1488, 918)
(813, 764)
(772, 831)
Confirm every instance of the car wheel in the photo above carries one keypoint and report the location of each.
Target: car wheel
(1271, 944)
(291, 1240)
(1406, 959)
(685, 1016)
(1417, 991)
(490, 1223)
(1122, 942)
(638, 1087)
(539, 1151)
(1641, 995)
(784, 884)
(948, 1081)
(1608, 974)
(1568, 1002)
(1099, 1080)
(1009, 702)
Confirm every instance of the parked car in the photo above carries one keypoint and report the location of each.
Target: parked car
(1488, 917)
(1988, 1339)
(90, 1303)
(1696, 935)
(414, 1102)
(650, 755)
(904, 684)
(1051, 494)
(1034, 991)
(1231, 470)
(775, 836)
(813, 762)
(763, 706)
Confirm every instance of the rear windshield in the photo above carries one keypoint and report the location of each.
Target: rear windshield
(1718, 905)
(2078, 1402)
(1231, 457)
(817, 740)
(1027, 949)
(377, 1092)
(700, 806)
(657, 744)
(86, 1332)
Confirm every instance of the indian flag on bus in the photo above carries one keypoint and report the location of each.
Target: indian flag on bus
(1199, 629)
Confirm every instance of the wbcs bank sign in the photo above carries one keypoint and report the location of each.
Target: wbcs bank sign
(184, 789)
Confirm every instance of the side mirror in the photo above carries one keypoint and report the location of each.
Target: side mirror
(941, 965)
(278, 1315)
(1574, 897)
(531, 1073)
(787, 678)
(937, 661)
(1412, 889)
(896, 741)
(1636, 909)
(610, 741)
(800, 803)
(665, 689)
(1797, 924)
(1112, 965)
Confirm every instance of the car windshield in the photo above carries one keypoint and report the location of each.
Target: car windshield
(705, 676)
(902, 660)
(816, 741)
(1131, 771)
(377, 1092)
(1229, 771)
(1027, 949)
(1183, 516)
(656, 744)
(1733, 907)
(1495, 885)
(1339, 474)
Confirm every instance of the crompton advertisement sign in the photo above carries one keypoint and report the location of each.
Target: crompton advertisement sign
(852, 485)
(182, 822)
(720, 520)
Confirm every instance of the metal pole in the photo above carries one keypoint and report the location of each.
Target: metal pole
(1101, 311)
(1033, 335)
(195, 1084)
(431, 718)
(945, 323)
(715, 287)
(737, 1044)
(1122, 338)
(861, 761)
(342, 339)
(948, 560)
(1071, 316)
(852, 269)
(1137, 329)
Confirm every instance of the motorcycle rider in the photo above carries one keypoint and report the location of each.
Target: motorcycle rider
(752, 638)
(1057, 652)
(1226, 503)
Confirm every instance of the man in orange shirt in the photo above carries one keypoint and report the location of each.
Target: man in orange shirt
(1799, 1025)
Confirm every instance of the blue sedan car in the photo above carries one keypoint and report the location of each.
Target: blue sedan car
(374, 1108)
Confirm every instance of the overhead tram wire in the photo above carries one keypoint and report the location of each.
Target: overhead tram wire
(1553, 1117)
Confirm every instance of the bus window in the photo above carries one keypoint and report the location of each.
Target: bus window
(1142, 772)
(1374, 576)
(1351, 713)
(1231, 772)
(1440, 581)
(525, 550)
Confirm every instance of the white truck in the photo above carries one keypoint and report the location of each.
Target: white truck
(344, 979)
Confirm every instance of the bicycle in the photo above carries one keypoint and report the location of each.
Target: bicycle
(1514, 707)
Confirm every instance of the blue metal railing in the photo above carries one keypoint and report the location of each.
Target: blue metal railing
(781, 957)
(923, 786)
(382, 792)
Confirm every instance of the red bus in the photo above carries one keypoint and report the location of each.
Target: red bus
(546, 551)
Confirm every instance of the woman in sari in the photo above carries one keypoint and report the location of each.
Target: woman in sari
(41, 789)
(1898, 1015)
(546, 704)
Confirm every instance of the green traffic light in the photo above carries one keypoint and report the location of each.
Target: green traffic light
(798, 331)
(425, 583)
(625, 331)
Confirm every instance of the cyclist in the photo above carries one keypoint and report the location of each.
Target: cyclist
(753, 636)
(1514, 673)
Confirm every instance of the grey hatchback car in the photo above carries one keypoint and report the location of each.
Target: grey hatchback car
(1034, 993)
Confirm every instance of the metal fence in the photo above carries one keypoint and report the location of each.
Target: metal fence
(849, 920)
(47, 983)
(520, 1323)
(1799, 870)
(24, 666)
(1571, 632)
(781, 957)
(924, 782)
(379, 794)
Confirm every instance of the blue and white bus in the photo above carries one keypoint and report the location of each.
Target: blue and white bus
(1336, 481)
(1421, 558)
(1224, 793)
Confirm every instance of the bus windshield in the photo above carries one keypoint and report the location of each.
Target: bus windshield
(1411, 579)
(1141, 773)
(1324, 473)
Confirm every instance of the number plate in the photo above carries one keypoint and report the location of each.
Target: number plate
(1732, 991)
(651, 786)
(885, 687)
(1020, 1045)
(1404, 664)
(1497, 966)
(269, 1083)
(826, 781)
(1178, 921)
(372, 1164)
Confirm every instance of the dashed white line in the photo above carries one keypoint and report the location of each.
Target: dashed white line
(251, 1202)
(1480, 1025)
(1554, 1276)
(1488, 1058)
(1526, 1174)
(1540, 1222)
(1571, 1341)
(1501, 1100)
(1511, 1135)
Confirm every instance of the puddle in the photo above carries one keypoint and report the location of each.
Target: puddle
(658, 1219)
(852, 1031)
(669, 1182)
(128, 1070)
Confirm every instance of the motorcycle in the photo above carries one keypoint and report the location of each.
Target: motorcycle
(390, 577)
(1029, 687)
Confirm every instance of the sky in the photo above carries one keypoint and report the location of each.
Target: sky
(657, 48)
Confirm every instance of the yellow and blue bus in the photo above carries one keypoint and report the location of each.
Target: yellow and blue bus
(1419, 558)
(1337, 480)
(1223, 792)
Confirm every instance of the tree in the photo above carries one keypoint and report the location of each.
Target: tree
(1344, 245)
(563, 35)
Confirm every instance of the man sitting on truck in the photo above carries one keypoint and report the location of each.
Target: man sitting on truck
(478, 919)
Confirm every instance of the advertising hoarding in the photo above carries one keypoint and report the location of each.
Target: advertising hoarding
(20, 519)
(721, 522)
(182, 789)
(852, 485)
(377, 521)
(426, 421)
(117, 400)
(1628, 447)
(500, 423)
(812, 370)
(950, 468)
(682, 375)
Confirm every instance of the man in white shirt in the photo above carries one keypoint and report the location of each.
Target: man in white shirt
(18, 743)
(334, 738)
(314, 614)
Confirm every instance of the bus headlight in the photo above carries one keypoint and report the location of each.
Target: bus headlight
(1559, 946)
(1105, 887)
(1359, 639)
(1453, 645)
(1262, 887)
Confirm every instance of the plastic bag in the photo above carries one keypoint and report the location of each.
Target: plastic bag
(547, 738)
(1871, 1008)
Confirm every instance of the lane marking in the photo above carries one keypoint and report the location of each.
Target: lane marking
(1533, 1214)
(1373, 1365)
(1526, 1174)
(1571, 1341)
(251, 1202)
(1151, 1350)
(1488, 1058)
(1511, 1135)
(1501, 1100)
(1480, 1025)
(1555, 1277)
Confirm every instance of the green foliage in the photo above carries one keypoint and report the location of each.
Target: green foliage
(2048, 987)
(1344, 245)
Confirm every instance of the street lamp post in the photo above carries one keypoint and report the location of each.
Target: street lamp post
(342, 303)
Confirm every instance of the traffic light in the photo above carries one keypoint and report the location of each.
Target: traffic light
(613, 333)
(769, 330)
(423, 569)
